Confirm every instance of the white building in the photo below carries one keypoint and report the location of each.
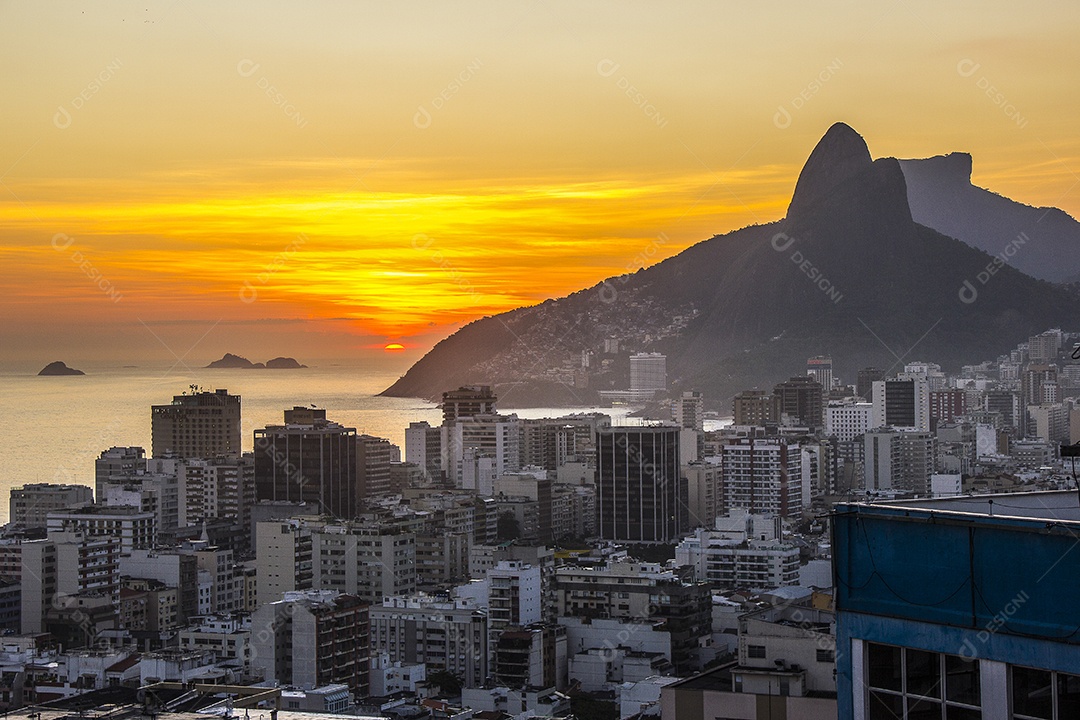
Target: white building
(388, 677)
(751, 563)
(764, 476)
(134, 527)
(945, 484)
(444, 634)
(847, 421)
(514, 594)
(490, 434)
(227, 637)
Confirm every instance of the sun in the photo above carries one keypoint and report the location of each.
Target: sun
(394, 347)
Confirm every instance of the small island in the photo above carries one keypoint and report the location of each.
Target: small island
(234, 362)
(59, 368)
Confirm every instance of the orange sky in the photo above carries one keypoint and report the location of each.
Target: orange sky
(320, 179)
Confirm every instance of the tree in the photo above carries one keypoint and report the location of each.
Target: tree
(508, 526)
(449, 683)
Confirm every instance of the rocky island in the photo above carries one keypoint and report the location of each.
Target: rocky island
(230, 361)
(59, 368)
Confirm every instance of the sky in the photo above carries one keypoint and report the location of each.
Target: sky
(319, 180)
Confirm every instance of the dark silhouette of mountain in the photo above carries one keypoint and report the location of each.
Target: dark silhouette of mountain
(59, 368)
(235, 362)
(1043, 242)
(848, 272)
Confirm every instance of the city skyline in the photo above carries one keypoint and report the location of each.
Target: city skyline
(322, 185)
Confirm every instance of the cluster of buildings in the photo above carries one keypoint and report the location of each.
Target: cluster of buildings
(501, 567)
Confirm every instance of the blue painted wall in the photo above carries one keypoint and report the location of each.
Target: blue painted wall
(981, 587)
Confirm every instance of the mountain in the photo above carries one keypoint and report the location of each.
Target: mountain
(847, 272)
(1043, 242)
(59, 368)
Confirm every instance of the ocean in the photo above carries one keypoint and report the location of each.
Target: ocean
(55, 427)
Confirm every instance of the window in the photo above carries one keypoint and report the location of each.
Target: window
(920, 685)
(1043, 695)
(826, 655)
(755, 651)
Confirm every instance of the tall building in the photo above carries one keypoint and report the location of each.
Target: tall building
(954, 608)
(308, 459)
(1044, 348)
(639, 593)
(864, 384)
(648, 371)
(423, 446)
(688, 411)
(902, 404)
(467, 401)
(755, 407)
(31, 504)
(928, 371)
(283, 554)
(641, 495)
(150, 491)
(552, 442)
(802, 399)
(847, 421)
(1005, 402)
(311, 639)
(764, 476)
(705, 492)
(1033, 382)
(69, 564)
(898, 460)
(373, 457)
(171, 568)
(739, 560)
(217, 488)
(202, 424)
(947, 406)
(367, 560)
(820, 368)
(447, 635)
(117, 461)
(1049, 422)
(498, 436)
(533, 656)
(131, 526)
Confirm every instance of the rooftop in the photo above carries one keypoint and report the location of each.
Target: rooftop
(1062, 506)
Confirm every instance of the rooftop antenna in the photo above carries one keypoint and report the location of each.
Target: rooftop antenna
(1071, 452)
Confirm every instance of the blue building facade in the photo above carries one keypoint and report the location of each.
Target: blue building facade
(963, 608)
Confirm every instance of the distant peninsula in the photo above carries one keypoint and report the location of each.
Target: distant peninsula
(59, 368)
(233, 362)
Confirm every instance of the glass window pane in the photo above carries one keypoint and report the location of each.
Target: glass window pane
(959, 713)
(883, 662)
(919, 709)
(923, 673)
(1068, 696)
(1031, 692)
(962, 680)
(884, 706)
